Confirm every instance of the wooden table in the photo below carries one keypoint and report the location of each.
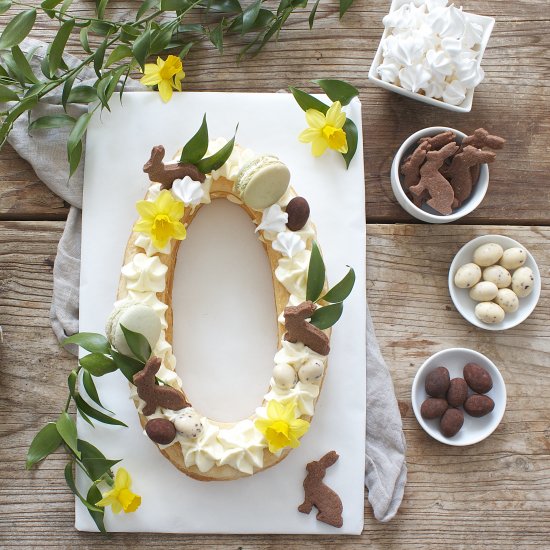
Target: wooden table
(495, 494)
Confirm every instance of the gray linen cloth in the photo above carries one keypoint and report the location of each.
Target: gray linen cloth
(45, 150)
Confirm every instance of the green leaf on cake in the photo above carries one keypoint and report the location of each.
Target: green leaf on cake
(98, 364)
(196, 147)
(338, 90)
(45, 442)
(137, 343)
(352, 137)
(67, 430)
(219, 158)
(90, 341)
(325, 317)
(340, 291)
(315, 274)
(128, 366)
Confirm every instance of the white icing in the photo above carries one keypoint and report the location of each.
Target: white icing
(292, 273)
(187, 190)
(149, 299)
(145, 274)
(304, 394)
(288, 244)
(273, 222)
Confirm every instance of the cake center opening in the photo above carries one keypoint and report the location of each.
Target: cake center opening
(225, 322)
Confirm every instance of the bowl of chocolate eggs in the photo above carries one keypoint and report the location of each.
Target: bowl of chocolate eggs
(494, 282)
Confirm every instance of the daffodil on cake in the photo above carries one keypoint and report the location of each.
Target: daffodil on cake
(140, 327)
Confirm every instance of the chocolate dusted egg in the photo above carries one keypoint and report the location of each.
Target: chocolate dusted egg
(298, 213)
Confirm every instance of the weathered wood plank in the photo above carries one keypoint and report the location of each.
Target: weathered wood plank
(494, 494)
(512, 101)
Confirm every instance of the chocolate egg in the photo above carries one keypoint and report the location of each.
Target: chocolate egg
(298, 213)
(161, 431)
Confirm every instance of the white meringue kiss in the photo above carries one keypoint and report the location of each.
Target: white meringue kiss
(187, 190)
(454, 93)
(273, 221)
(288, 244)
(414, 78)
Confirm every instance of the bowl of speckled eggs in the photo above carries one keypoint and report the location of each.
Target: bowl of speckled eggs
(494, 282)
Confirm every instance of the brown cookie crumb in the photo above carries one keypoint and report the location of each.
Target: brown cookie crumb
(327, 502)
(154, 395)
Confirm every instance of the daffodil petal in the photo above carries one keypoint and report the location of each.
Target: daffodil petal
(146, 209)
(165, 90)
(108, 499)
(318, 146)
(335, 117)
(150, 68)
(315, 118)
(122, 479)
(116, 507)
(309, 134)
(150, 79)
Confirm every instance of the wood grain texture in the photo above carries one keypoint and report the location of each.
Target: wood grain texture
(512, 101)
(495, 494)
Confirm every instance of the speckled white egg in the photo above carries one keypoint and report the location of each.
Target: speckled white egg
(188, 424)
(484, 291)
(284, 376)
(507, 299)
(489, 312)
(513, 258)
(488, 254)
(311, 372)
(498, 275)
(467, 275)
(523, 281)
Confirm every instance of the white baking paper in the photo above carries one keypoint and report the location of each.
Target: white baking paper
(224, 327)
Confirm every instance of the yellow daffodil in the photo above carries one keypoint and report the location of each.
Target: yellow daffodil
(325, 130)
(120, 497)
(167, 75)
(161, 219)
(281, 428)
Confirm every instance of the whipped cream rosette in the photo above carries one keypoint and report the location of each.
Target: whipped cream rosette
(433, 49)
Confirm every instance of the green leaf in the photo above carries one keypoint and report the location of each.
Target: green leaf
(345, 5)
(7, 95)
(142, 46)
(315, 274)
(98, 364)
(50, 4)
(312, 13)
(69, 478)
(146, 6)
(196, 147)
(91, 390)
(71, 382)
(216, 35)
(162, 36)
(93, 497)
(185, 50)
(352, 138)
(67, 430)
(74, 158)
(224, 6)
(191, 27)
(137, 343)
(102, 86)
(115, 77)
(65, 6)
(102, 28)
(338, 90)
(128, 366)
(99, 57)
(94, 460)
(219, 158)
(5, 5)
(340, 291)
(100, 8)
(45, 442)
(249, 16)
(307, 101)
(51, 121)
(17, 29)
(120, 52)
(84, 39)
(264, 18)
(325, 317)
(90, 341)
(82, 94)
(78, 131)
(57, 47)
(23, 64)
(88, 410)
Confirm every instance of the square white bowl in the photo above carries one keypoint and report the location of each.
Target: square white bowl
(466, 106)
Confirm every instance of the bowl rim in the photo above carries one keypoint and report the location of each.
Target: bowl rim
(485, 21)
(453, 290)
(438, 436)
(397, 187)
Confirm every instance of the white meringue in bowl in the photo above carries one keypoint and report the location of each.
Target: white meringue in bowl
(432, 52)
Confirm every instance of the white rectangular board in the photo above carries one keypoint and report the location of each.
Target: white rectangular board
(224, 331)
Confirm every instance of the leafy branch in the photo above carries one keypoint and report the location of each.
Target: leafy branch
(157, 27)
(101, 360)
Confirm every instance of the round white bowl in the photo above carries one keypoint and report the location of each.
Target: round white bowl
(474, 429)
(426, 213)
(461, 297)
